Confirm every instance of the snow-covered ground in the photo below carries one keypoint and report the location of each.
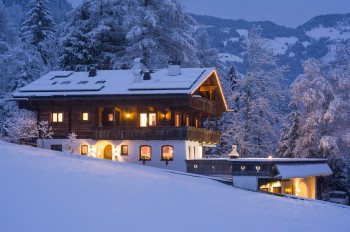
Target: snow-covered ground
(332, 33)
(42, 190)
(223, 57)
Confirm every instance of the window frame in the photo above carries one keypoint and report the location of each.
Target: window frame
(150, 156)
(127, 149)
(82, 117)
(56, 147)
(161, 153)
(57, 117)
(81, 149)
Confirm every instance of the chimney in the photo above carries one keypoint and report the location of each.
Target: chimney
(92, 72)
(174, 68)
(137, 69)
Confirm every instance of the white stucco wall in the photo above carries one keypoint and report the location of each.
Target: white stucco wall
(182, 150)
(246, 182)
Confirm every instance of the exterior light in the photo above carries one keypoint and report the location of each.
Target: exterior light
(195, 166)
(270, 156)
(257, 167)
(128, 115)
(234, 154)
(242, 167)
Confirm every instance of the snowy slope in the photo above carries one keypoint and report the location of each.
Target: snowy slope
(43, 190)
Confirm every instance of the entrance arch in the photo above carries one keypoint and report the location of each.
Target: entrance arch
(107, 154)
(302, 190)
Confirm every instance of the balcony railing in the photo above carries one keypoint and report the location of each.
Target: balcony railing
(156, 133)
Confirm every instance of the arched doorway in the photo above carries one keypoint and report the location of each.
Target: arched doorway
(107, 154)
(302, 190)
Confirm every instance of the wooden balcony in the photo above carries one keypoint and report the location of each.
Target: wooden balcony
(205, 105)
(156, 133)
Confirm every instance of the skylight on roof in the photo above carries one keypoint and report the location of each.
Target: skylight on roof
(100, 82)
(54, 83)
(82, 82)
(65, 82)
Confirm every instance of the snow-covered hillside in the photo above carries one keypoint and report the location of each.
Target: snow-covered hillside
(43, 190)
(317, 38)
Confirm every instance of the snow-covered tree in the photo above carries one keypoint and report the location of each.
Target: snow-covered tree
(19, 66)
(208, 57)
(258, 116)
(72, 145)
(289, 133)
(44, 131)
(158, 31)
(7, 29)
(313, 94)
(93, 37)
(39, 29)
(20, 126)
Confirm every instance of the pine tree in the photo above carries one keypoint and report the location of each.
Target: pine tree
(158, 31)
(94, 37)
(289, 133)
(39, 29)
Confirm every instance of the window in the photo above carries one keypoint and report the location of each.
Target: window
(167, 153)
(145, 152)
(197, 122)
(65, 82)
(187, 120)
(85, 116)
(143, 120)
(124, 150)
(84, 150)
(56, 147)
(57, 117)
(152, 119)
(82, 82)
(177, 120)
(54, 83)
(110, 117)
(194, 152)
(100, 82)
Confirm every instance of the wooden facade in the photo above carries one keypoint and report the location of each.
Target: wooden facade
(118, 118)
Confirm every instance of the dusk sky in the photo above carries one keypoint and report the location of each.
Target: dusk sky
(290, 13)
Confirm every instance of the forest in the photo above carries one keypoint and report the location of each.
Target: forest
(310, 118)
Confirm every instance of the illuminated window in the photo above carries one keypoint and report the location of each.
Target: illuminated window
(84, 150)
(143, 120)
(187, 121)
(152, 119)
(167, 152)
(197, 122)
(110, 117)
(57, 117)
(85, 116)
(145, 152)
(124, 150)
(177, 120)
(288, 189)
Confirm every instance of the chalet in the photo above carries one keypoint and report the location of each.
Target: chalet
(151, 117)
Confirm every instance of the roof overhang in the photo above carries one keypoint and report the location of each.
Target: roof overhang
(219, 85)
(287, 171)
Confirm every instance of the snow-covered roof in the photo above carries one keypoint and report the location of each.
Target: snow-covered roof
(277, 160)
(114, 82)
(302, 170)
